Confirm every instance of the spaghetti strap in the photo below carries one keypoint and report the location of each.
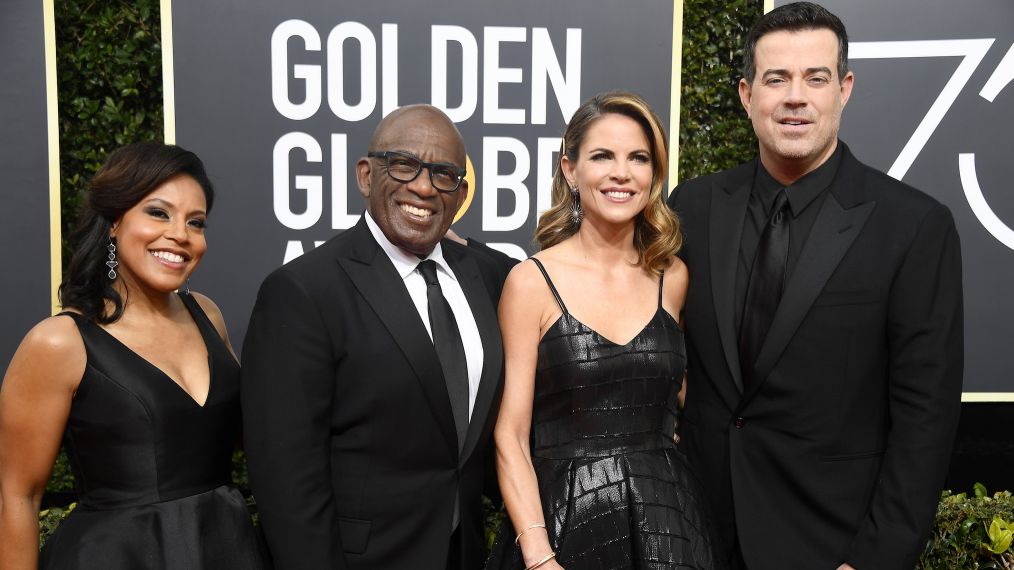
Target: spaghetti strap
(661, 278)
(552, 287)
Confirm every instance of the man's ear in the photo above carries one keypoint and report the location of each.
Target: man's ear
(461, 195)
(846, 87)
(745, 93)
(363, 171)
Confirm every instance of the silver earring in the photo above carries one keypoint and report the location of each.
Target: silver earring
(111, 264)
(186, 286)
(575, 206)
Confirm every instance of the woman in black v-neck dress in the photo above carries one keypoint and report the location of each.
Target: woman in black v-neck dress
(138, 380)
(586, 457)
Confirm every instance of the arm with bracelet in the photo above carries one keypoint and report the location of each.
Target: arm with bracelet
(522, 319)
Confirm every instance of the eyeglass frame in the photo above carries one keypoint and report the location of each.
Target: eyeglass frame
(386, 154)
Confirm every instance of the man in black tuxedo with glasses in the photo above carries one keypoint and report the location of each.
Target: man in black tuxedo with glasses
(372, 373)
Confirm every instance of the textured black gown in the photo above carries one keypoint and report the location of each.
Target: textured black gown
(151, 466)
(615, 491)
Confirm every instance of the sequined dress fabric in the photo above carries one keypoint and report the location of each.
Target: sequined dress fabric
(152, 466)
(616, 493)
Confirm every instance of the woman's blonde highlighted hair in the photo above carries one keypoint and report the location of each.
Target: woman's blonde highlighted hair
(657, 235)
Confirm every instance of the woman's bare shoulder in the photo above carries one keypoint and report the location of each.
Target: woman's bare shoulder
(52, 351)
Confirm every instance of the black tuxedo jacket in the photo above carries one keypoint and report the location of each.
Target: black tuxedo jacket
(837, 453)
(352, 448)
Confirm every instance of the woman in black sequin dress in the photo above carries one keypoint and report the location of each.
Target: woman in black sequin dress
(595, 359)
(138, 380)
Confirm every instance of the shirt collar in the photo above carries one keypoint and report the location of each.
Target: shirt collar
(804, 191)
(404, 262)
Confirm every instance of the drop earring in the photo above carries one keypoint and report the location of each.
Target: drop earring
(575, 206)
(111, 264)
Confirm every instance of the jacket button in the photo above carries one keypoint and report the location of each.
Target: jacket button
(740, 422)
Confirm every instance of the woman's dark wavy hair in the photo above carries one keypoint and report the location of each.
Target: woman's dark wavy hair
(129, 174)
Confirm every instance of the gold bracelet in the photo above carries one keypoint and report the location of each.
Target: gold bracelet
(549, 557)
(530, 527)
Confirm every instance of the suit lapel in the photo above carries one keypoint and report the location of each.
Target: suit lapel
(481, 304)
(728, 210)
(378, 282)
(840, 220)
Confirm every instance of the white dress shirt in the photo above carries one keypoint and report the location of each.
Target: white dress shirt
(405, 264)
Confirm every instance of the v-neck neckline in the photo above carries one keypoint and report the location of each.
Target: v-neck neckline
(163, 373)
(640, 332)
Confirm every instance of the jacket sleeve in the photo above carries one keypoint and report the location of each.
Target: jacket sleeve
(287, 394)
(926, 349)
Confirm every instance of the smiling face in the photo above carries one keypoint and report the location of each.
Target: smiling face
(613, 170)
(413, 215)
(796, 100)
(160, 240)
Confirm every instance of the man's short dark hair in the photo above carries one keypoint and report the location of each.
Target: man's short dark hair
(795, 17)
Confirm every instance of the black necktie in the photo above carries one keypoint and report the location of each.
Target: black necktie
(450, 350)
(764, 291)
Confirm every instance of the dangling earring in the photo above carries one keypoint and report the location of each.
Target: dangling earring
(111, 248)
(575, 206)
(186, 286)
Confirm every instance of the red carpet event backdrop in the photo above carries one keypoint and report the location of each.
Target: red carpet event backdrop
(933, 106)
(280, 99)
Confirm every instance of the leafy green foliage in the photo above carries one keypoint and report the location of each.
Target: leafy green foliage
(49, 519)
(971, 532)
(715, 133)
(61, 479)
(109, 72)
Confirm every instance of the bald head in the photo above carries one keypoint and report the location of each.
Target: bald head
(387, 134)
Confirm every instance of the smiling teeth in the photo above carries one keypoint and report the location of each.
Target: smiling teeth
(168, 256)
(618, 194)
(421, 212)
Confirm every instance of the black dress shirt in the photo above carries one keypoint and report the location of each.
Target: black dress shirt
(805, 197)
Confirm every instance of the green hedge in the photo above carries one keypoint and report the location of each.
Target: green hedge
(109, 77)
(715, 133)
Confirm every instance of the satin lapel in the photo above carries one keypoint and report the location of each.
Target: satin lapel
(481, 304)
(728, 210)
(834, 230)
(377, 281)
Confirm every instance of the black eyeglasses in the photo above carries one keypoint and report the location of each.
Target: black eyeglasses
(405, 167)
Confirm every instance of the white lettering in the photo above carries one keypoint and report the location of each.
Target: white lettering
(310, 74)
(546, 64)
(545, 168)
(493, 181)
(493, 75)
(389, 77)
(311, 184)
(336, 71)
(340, 217)
(441, 35)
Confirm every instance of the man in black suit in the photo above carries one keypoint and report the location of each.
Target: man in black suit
(372, 373)
(824, 326)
